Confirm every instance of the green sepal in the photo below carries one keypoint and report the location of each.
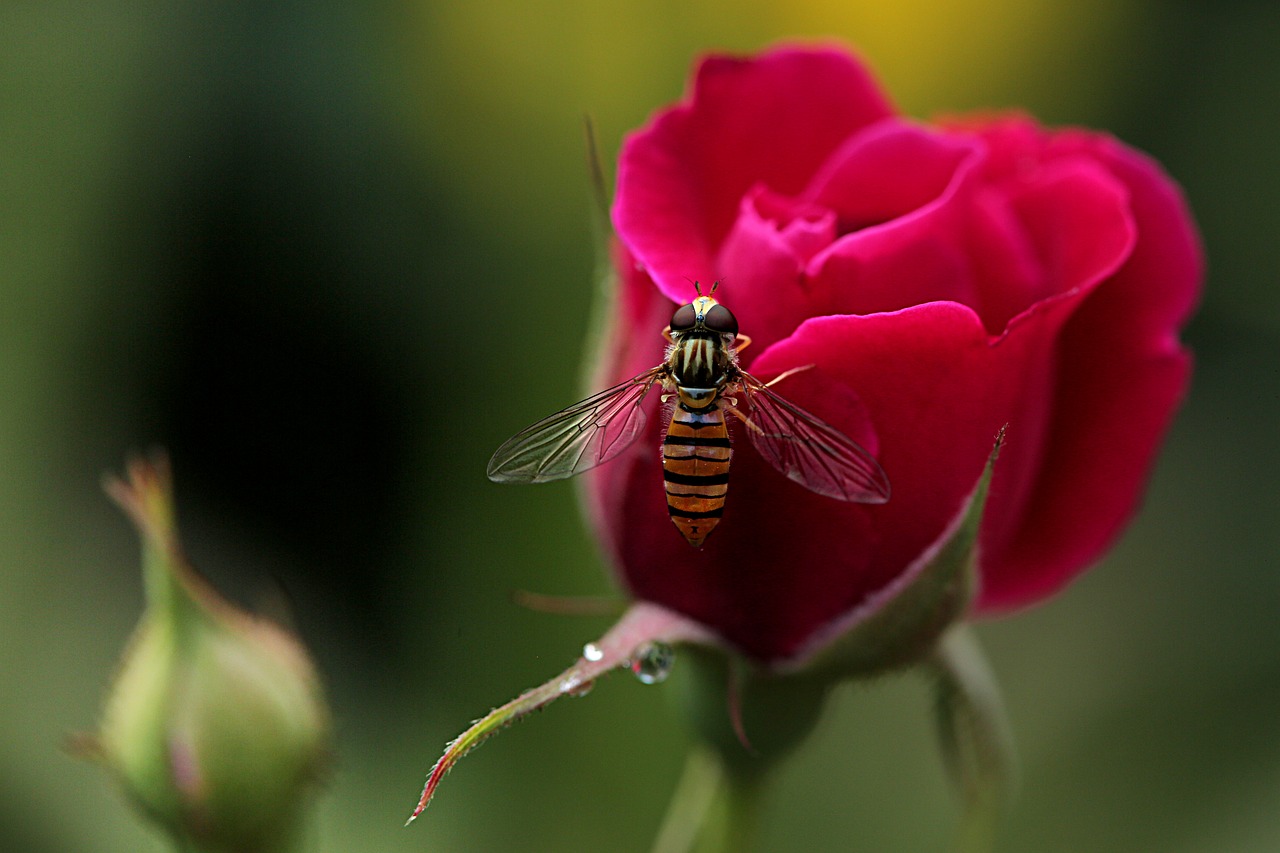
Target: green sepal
(600, 324)
(745, 719)
(749, 716)
(902, 624)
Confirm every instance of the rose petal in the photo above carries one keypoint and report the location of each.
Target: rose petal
(887, 171)
(1003, 258)
(631, 344)
(913, 249)
(918, 255)
(681, 178)
(935, 391)
(1160, 285)
(762, 262)
(1121, 376)
(1076, 218)
(803, 227)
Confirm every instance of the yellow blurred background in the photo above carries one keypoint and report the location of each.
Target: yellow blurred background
(331, 254)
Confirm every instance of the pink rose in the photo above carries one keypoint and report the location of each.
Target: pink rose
(945, 281)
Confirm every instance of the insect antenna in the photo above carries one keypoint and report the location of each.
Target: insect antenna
(697, 286)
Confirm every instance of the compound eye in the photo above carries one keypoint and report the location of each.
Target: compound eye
(721, 319)
(684, 318)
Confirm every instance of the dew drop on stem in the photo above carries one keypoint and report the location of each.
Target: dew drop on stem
(652, 662)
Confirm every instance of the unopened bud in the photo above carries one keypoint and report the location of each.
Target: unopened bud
(215, 724)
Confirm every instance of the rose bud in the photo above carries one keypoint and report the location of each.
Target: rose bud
(215, 725)
(936, 294)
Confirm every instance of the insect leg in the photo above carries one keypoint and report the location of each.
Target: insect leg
(783, 375)
(740, 415)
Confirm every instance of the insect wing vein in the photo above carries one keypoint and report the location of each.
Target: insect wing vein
(809, 451)
(576, 439)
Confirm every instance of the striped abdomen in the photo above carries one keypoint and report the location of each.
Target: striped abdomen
(695, 462)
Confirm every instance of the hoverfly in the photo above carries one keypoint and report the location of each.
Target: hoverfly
(701, 378)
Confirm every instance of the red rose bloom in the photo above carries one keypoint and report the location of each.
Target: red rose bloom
(944, 281)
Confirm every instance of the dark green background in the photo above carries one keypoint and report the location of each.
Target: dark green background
(331, 254)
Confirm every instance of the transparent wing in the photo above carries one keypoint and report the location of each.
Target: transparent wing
(576, 439)
(809, 451)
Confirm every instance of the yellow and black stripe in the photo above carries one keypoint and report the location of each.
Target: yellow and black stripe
(695, 462)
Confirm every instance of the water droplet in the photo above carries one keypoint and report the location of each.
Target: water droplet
(573, 685)
(592, 652)
(652, 663)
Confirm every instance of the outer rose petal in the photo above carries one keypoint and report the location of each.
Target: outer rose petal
(1120, 378)
(632, 344)
(1076, 220)
(772, 120)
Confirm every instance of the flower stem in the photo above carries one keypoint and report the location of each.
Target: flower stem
(713, 810)
(695, 793)
(742, 812)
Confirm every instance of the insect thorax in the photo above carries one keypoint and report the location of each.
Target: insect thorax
(700, 360)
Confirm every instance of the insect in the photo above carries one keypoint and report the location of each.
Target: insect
(702, 381)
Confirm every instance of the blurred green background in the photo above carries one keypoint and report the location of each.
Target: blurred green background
(331, 254)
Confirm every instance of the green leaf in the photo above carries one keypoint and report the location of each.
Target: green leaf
(626, 642)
